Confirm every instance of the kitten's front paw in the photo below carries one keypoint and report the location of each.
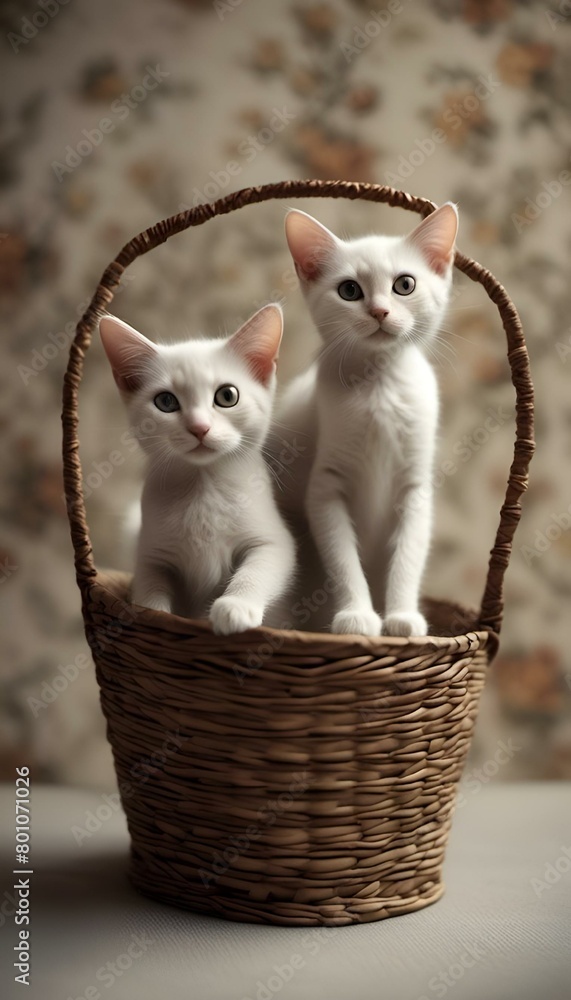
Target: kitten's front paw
(233, 614)
(355, 622)
(405, 623)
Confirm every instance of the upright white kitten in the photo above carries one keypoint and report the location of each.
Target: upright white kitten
(212, 541)
(367, 413)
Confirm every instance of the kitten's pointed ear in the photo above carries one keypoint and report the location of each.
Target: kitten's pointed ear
(258, 341)
(127, 351)
(309, 242)
(436, 235)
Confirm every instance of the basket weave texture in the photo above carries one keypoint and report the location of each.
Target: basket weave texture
(288, 777)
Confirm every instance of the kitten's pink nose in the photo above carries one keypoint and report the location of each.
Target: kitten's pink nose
(379, 313)
(199, 430)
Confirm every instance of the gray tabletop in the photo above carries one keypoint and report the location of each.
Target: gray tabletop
(502, 931)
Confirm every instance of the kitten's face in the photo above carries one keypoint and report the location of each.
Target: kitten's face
(378, 290)
(201, 399)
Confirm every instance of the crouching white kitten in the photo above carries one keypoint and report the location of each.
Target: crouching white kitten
(212, 541)
(367, 413)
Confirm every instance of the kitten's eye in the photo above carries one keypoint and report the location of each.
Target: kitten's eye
(166, 402)
(350, 291)
(226, 395)
(404, 284)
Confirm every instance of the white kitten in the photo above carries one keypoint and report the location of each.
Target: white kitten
(212, 540)
(367, 413)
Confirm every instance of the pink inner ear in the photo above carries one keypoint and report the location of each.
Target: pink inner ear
(435, 238)
(439, 261)
(127, 383)
(261, 365)
(306, 272)
(258, 342)
(310, 244)
(127, 380)
(127, 350)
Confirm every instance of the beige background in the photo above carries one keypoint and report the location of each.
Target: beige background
(355, 102)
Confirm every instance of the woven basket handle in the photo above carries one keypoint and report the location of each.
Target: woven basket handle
(491, 610)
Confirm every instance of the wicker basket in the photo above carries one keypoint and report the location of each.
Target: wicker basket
(286, 777)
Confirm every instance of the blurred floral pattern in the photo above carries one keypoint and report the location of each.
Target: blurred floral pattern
(119, 113)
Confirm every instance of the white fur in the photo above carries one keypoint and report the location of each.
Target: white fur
(211, 541)
(366, 415)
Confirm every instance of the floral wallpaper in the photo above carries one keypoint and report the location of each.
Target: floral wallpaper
(117, 114)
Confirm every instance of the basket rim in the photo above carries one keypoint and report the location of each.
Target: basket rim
(286, 641)
(492, 603)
